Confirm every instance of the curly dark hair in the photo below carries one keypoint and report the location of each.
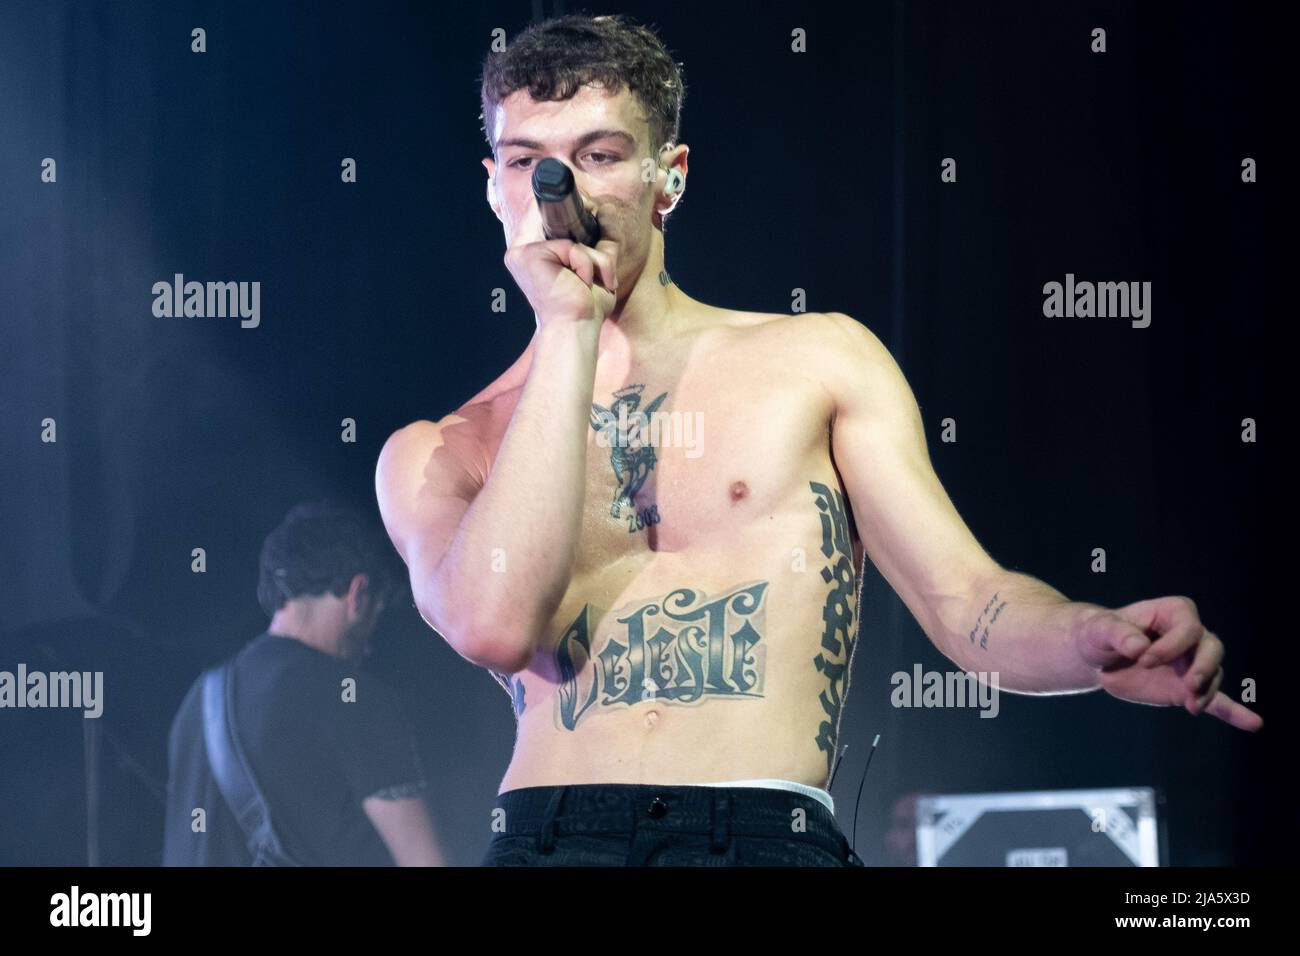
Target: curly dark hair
(319, 547)
(555, 58)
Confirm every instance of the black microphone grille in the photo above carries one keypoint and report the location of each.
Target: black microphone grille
(552, 180)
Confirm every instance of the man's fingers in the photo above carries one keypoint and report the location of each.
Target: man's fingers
(606, 268)
(1173, 643)
(1204, 695)
(1129, 642)
(530, 228)
(605, 300)
(1231, 712)
(1111, 640)
(1209, 655)
(581, 262)
(1159, 614)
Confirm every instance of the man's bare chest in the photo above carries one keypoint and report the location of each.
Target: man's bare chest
(690, 452)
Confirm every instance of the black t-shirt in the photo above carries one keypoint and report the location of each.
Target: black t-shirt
(315, 755)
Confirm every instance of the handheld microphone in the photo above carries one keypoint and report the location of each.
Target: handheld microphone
(563, 214)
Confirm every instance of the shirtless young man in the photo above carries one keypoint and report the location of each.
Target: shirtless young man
(675, 613)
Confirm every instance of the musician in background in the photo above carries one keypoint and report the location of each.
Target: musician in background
(324, 742)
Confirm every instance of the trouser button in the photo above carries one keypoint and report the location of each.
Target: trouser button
(658, 807)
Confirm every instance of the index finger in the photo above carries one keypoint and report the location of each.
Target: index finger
(1231, 712)
(530, 227)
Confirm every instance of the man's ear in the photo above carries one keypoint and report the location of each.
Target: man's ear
(491, 166)
(359, 596)
(671, 181)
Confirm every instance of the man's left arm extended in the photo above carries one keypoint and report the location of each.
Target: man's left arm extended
(980, 615)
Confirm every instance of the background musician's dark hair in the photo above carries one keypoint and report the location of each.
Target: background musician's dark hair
(318, 548)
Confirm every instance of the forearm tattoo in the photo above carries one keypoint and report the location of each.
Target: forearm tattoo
(835, 658)
(680, 649)
(985, 621)
(629, 432)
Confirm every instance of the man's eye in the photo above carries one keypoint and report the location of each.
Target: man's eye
(602, 158)
(516, 163)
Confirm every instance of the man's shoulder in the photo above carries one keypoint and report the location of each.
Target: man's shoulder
(847, 359)
(838, 331)
(461, 434)
(191, 705)
(823, 329)
(189, 713)
(836, 344)
(470, 417)
(187, 721)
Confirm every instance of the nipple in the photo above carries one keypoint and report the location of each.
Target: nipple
(738, 491)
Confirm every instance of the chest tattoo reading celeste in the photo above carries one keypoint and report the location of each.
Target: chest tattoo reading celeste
(628, 431)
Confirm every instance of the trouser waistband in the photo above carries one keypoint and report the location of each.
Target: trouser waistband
(773, 783)
(717, 811)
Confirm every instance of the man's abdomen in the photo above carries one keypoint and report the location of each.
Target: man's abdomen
(730, 666)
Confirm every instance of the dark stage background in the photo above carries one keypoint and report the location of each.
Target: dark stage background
(818, 170)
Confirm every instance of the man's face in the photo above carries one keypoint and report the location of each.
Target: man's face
(603, 139)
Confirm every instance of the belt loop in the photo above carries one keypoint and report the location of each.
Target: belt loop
(546, 838)
(720, 835)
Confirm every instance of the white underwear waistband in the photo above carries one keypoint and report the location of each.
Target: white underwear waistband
(815, 793)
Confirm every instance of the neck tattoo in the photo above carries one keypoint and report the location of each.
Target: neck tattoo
(664, 278)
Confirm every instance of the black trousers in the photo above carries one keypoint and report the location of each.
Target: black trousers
(642, 825)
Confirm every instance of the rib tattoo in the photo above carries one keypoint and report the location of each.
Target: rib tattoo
(835, 659)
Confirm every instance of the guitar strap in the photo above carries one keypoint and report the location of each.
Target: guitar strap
(232, 771)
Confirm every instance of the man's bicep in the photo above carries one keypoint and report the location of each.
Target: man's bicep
(425, 483)
(907, 522)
